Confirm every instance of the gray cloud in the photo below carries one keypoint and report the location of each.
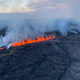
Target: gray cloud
(4, 4)
(1, 3)
(40, 4)
(49, 8)
(38, 9)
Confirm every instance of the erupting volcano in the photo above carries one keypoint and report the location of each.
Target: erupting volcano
(29, 41)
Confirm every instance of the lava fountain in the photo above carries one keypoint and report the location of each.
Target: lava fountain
(29, 41)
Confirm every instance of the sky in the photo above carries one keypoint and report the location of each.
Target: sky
(12, 9)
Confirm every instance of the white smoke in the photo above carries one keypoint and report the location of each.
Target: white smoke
(25, 29)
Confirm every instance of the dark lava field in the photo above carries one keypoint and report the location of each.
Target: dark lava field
(56, 59)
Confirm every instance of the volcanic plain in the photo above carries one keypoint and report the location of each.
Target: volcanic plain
(55, 59)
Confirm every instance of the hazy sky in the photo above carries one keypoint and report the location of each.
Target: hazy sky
(10, 6)
(39, 8)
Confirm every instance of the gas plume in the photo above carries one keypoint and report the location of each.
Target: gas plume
(24, 29)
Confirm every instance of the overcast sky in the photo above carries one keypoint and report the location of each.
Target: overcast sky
(39, 9)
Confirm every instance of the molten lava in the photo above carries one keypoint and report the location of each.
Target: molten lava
(33, 41)
(1, 48)
(29, 41)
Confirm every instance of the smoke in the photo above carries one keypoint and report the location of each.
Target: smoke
(26, 28)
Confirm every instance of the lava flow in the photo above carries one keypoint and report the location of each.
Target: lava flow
(29, 41)
(1, 48)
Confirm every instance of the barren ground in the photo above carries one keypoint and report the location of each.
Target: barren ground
(57, 59)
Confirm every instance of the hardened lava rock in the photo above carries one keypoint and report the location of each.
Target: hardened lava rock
(72, 44)
(39, 61)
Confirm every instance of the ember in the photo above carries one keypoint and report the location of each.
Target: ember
(29, 41)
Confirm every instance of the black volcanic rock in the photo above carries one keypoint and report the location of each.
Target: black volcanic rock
(56, 59)
(39, 61)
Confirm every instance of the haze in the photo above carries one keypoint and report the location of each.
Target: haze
(33, 9)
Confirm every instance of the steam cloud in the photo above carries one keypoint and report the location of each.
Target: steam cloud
(25, 29)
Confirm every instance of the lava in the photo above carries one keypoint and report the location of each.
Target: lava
(29, 41)
(1, 48)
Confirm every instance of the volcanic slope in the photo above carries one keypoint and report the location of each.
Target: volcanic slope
(56, 59)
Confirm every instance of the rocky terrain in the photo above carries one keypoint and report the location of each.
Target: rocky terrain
(56, 59)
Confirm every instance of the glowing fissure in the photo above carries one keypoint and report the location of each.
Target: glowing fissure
(29, 41)
(1, 48)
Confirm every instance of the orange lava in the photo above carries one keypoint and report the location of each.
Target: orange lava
(33, 41)
(29, 41)
(1, 48)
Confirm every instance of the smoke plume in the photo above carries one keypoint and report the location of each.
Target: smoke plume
(31, 28)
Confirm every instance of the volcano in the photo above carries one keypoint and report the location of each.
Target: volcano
(52, 59)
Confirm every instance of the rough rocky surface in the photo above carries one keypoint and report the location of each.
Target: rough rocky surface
(72, 44)
(57, 59)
